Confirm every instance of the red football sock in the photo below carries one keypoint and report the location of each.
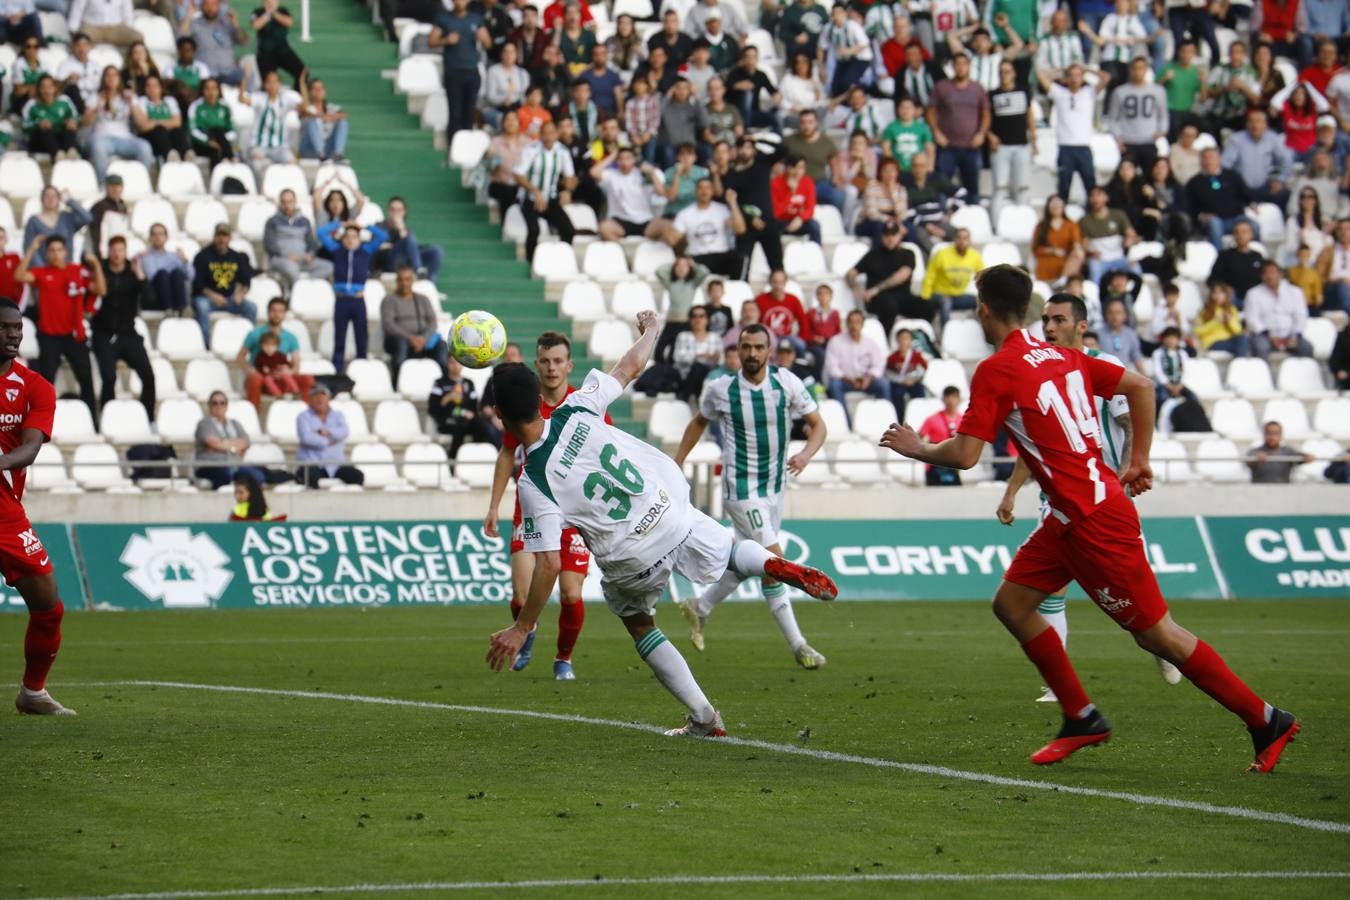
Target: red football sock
(570, 618)
(1047, 653)
(516, 607)
(40, 644)
(1207, 671)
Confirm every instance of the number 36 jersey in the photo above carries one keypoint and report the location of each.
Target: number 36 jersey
(629, 500)
(1043, 395)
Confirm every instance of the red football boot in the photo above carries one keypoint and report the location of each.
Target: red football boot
(813, 581)
(1074, 736)
(1271, 740)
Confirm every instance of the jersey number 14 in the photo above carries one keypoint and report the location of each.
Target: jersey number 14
(617, 484)
(1078, 420)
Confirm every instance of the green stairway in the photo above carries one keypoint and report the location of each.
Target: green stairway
(393, 155)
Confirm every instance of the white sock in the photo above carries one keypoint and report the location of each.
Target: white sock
(781, 608)
(721, 590)
(674, 673)
(748, 558)
(1060, 622)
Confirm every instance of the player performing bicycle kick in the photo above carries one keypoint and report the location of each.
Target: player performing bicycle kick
(630, 502)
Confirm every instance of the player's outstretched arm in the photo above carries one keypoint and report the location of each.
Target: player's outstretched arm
(692, 432)
(1020, 475)
(501, 474)
(960, 452)
(22, 456)
(631, 364)
(505, 644)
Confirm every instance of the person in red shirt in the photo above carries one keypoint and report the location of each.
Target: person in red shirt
(782, 313)
(27, 408)
(794, 200)
(553, 362)
(1043, 395)
(940, 426)
(1323, 69)
(823, 323)
(553, 13)
(65, 295)
(9, 262)
(905, 369)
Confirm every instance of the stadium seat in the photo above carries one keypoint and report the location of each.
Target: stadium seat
(371, 381)
(135, 179)
(638, 9)
(153, 211)
(920, 263)
(583, 301)
(300, 332)
(1201, 375)
(1301, 377)
(976, 220)
(872, 330)
(704, 453)
(265, 454)
(20, 177)
(157, 33)
(804, 259)
(468, 146)
(418, 76)
(166, 380)
(76, 177)
(919, 409)
(1217, 459)
(28, 345)
(650, 256)
(376, 462)
(963, 339)
(513, 225)
(227, 336)
(239, 171)
(126, 422)
(96, 467)
(436, 112)
(281, 416)
(48, 472)
(998, 252)
(262, 289)
(180, 180)
(668, 420)
(474, 464)
(554, 261)
(872, 417)
(327, 336)
(73, 424)
(846, 255)
(944, 372)
(1170, 461)
(1235, 419)
(177, 420)
(631, 298)
(1270, 225)
(1323, 451)
(397, 422)
(1332, 417)
(283, 176)
(1292, 416)
(1321, 333)
(252, 218)
(416, 378)
(312, 299)
(1249, 377)
(180, 340)
(1198, 261)
(835, 418)
(605, 261)
(831, 224)
(583, 218)
(1105, 155)
(425, 465)
(818, 472)
(202, 216)
(1017, 223)
(246, 414)
(610, 340)
(856, 462)
(357, 428)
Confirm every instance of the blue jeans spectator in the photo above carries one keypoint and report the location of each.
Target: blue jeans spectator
(1152, 27)
(1071, 160)
(410, 252)
(399, 351)
(313, 145)
(219, 476)
(56, 6)
(103, 147)
(967, 161)
(847, 73)
(1216, 227)
(245, 309)
(169, 289)
(754, 117)
(901, 394)
(947, 304)
(1094, 21)
(826, 192)
(1096, 268)
(838, 388)
(1262, 347)
(1240, 345)
(1336, 295)
(348, 310)
(1263, 194)
(810, 228)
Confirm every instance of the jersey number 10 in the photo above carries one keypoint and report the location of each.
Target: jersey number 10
(617, 484)
(1078, 420)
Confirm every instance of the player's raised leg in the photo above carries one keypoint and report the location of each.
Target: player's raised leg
(40, 643)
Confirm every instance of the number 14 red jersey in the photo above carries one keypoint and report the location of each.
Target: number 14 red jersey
(1043, 395)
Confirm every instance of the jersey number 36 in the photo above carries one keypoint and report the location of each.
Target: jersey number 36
(617, 484)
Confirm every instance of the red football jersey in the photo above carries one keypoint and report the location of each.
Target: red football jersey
(27, 400)
(63, 299)
(783, 317)
(1043, 394)
(8, 286)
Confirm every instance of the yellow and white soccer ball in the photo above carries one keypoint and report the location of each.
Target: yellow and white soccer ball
(477, 339)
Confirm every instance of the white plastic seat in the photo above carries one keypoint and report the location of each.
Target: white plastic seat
(1170, 461)
(265, 454)
(312, 299)
(1201, 375)
(281, 177)
(1217, 459)
(1321, 333)
(920, 262)
(871, 418)
(436, 113)
(157, 33)
(180, 180)
(239, 171)
(835, 418)
(846, 255)
(20, 177)
(252, 218)
(1292, 416)
(96, 467)
(998, 252)
(227, 336)
(152, 211)
(376, 462)
(668, 420)
(372, 381)
(357, 428)
(327, 337)
(474, 464)
(1235, 419)
(177, 420)
(1301, 377)
(166, 380)
(919, 409)
(48, 472)
(631, 298)
(943, 373)
(610, 340)
(1198, 261)
(135, 179)
(1105, 155)
(976, 220)
(202, 216)
(831, 224)
(416, 378)
(818, 472)
(1332, 417)
(206, 376)
(74, 424)
(418, 76)
(1017, 223)
(964, 339)
(126, 422)
(425, 465)
(554, 261)
(1249, 377)
(856, 461)
(605, 261)
(281, 416)
(180, 340)
(246, 414)
(650, 256)
(1322, 450)
(804, 259)
(77, 177)
(297, 329)
(582, 218)
(262, 289)
(583, 301)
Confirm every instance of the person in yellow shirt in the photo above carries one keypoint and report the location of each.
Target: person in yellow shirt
(1219, 325)
(949, 276)
(1304, 276)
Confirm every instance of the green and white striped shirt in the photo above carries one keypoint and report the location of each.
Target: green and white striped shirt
(880, 20)
(847, 36)
(984, 69)
(756, 422)
(1059, 51)
(1120, 28)
(544, 166)
(269, 118)
(864, 120)
(917, 85)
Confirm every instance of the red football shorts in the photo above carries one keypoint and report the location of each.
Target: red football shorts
(1104, 554)
(21, 551)
(576, 557)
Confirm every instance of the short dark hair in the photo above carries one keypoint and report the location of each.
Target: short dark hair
(951, 390)
(1091, 334)
(755, 328)
(7, 303)
(54, 239)
(1171, 331)
(1171, 288)
(285, 304)
(1005, 290)
(550, 339)
(1267, 263)
(1079, 307)
(515, 388)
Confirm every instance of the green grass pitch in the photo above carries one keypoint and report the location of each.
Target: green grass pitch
(166, 789)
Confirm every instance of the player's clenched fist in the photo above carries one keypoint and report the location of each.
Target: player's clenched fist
(1137, 479)
(503, 647)
(902, 439)
(645, 321)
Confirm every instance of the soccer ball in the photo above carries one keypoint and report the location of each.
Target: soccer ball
(477, 339)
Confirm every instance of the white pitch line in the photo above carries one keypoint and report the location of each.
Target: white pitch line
(706, 880)
(1237, 812)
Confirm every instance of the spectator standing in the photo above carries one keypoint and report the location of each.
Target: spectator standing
(1117, 37)
(323, 125)
(530, 40)
(1120, 339)
(708, 230)
(1334, 266)
(627, 187)
(960, 119)
(1238, 266)
(915, 80)
(905, 369)
(408, 321)
(799, 27)
(211, 124)
(166, 272)
(1138, 116)
(574, 40)
(794, 200)
(351, 268)
(1218, 198)
(453, 406)
(545, 176)
(853, 362)
(846, 42)
(1261, 159)
(19, 22)
(52, 221)
(50, 122)
(272, 23)
(291, 245)
(746, 84)
(950, 272)
(683, 122)
(1192, 16)
(323, 436)
(220, 281)
(1057, 244)
(1272, 462)
(941, 426)
(1182, 81)
(1219, 324)
(1075, 103)
(114, 325)
(270, 107)
(220, 444)
(1012, 137)
(888, 268)
(108, 122)
(748, 184)
(287, 345)
(218, 37)
(1276, 313)
(677, 45)
(65, 292)
(1107, 234)
(105, 21)
(459, 34)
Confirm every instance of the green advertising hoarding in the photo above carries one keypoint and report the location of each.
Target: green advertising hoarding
(55, 544)
(1285, 556)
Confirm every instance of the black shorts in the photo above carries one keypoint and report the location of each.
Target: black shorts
(632, 229)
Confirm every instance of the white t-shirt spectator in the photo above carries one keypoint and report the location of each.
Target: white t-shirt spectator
(707, 230)
(113, 119)
(1280, 314)
(87, 75)
(1073, 114)
(100, 13)
(1338, 92)
(628, 196)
